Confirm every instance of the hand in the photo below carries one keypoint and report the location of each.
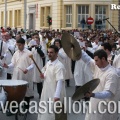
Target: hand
(42, 76)
(5, 65)
(25, 71)
(84, 48)
(56, 99)
(88, 94)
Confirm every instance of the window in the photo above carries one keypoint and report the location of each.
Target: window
(68, 16)
(48, 13)
(100, 13)
(43, 16)
(7, 18)
(2, 18)
(83, 12)
(17, 18)
(10, 18)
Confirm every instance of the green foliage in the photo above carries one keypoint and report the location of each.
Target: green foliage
(49, 20)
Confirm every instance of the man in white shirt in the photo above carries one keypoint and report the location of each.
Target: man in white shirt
(11, 49)
(108, 88)
(38, 57)
(107, 47)
(23, 66)
(3, 48)
(3, 51)
(54, 83)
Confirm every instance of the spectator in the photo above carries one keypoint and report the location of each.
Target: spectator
(83, 23)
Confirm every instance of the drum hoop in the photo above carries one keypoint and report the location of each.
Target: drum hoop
(10, 85)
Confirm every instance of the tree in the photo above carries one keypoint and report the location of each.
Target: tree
(49, 20)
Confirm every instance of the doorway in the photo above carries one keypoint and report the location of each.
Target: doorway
(31, 21)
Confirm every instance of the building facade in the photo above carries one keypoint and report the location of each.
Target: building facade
(119, 17)
(66, 14)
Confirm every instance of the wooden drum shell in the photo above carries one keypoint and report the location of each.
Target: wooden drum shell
(15, 93)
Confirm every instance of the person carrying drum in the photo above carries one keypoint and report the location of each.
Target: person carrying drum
(23, 67)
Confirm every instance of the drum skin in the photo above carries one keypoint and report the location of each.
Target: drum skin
(15, 93)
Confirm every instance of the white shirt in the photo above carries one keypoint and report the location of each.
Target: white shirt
(11, 65)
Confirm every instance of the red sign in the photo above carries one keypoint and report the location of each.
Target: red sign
(90, 20)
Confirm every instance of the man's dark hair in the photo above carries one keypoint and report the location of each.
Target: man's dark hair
(114, 46)
(21, 40)
(38, 38)
(19, 35)
(55, 48)
(107, 46)
(101, 53)
(58, 40)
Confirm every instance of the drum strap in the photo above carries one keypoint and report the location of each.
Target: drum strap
(11, 52)
(112, 59)
(1, 48)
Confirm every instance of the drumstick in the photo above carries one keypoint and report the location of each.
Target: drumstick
(31, 56)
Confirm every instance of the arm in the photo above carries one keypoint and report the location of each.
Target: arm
(103, 95)
(116, 61)
(58, 89)
(118, 71)
(60, 76)
(100, 95)
(62, 55)
(5, 48)
(42, 75)
(86, 58)
(11, 65)
(30, 67)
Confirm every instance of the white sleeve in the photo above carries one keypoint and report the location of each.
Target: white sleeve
(58, 88)
(46, 41)
(5, 48)
(95, 47)
(43, 49)
(4, 55)
(63, 56)
(30, 67)
(118, 71)
(103, 95)
(90, 50)
(11, 65)
(85, 57)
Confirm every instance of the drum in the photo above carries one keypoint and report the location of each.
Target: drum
(16, 89)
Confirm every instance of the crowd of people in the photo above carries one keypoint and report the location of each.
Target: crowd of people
(100, 59)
